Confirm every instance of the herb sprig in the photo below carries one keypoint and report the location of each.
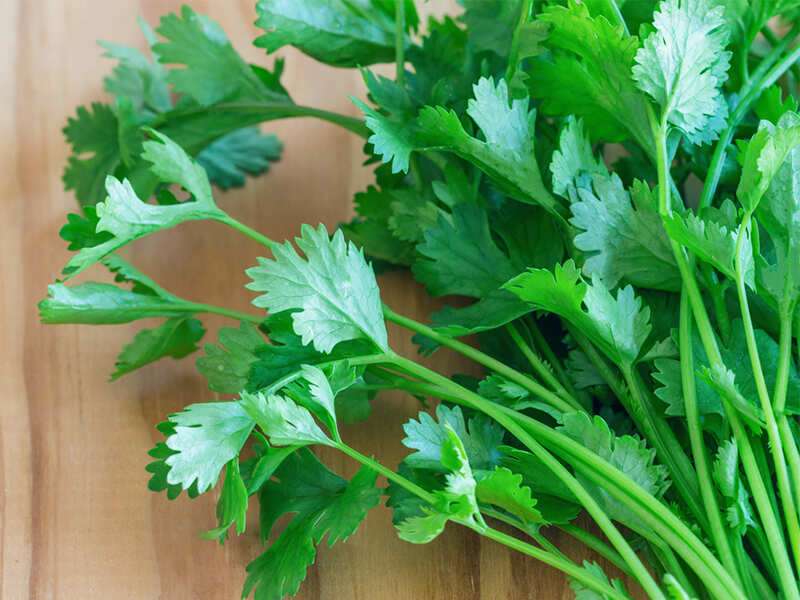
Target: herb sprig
(540, 159)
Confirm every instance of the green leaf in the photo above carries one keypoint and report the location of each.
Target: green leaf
(622, 235)
(726, 475)
(232, 504)
(278, 572)
(92, 134)
(284, 422)
(596, 571)
(175, 338)
(553, 499)
(336, 32)
(242, 152)
(321, 392)
(142, 81)
(507, 154)
(104, 304)
(204, 437)
(778, 212)
(496, 309)
(589, 75)
(627, 453)
(574, 163)
(127, 218)
(618, 325)
(227, 364)
(80, 231)
(391, 140)
(491, 25)
(460, 256)
(504, 489)
(422, 529)
(480, 436)
(324, 505)
(712, 241)
(334, 289)
(213, 70)
(683, 64)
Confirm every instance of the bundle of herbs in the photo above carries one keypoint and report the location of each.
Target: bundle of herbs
(616, 186)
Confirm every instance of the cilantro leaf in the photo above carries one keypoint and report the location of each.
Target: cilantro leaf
(227, 364)
(93, 136)
(175, 338)
(504, 489)
(574, 163)
(731, 486)
(232, 504)
(589, 75)
(127, 218)
(627, 453)
(336, 32)
(460, 256)
(683, 64)
(244, 151)
(135, 77)
(284, 422)
(622, 235)
(334, 289)
(203, 438)
(324, 505)
(213, 70)
(619, 325)
(427, 437)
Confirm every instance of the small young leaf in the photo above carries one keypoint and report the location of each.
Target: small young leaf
(284, 422)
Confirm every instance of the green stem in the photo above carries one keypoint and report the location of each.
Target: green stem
(645, 506)
(760, 495)
(563, 564)
(513, 53)
(784, 360)
(566, 566)
(509, 423)
(662, 437)
(760, 81)
(716, 526)
(479, 357)
(400, 41)
(596, 544)
(539, 366)
(544, 347)
(199, 307)
(773, 434)
(246, 230)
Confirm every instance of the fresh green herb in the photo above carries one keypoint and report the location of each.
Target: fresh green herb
(636, 318)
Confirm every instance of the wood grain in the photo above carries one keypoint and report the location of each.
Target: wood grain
(76, 519)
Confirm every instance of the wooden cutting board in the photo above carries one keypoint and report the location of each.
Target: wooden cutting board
(76, 519)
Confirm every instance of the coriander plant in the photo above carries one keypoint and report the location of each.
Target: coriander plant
(616, 186)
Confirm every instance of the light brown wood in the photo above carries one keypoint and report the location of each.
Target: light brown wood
(76, 519)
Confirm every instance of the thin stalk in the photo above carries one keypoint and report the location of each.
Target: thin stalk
(759, 82)
(547, 351)
(592, 507)
(563, 564)
(513, 53)
(664, 523)
(594, 543)
(779, 401)
(713, 515)
(759, 491)
(657, 431)
(400, 41)
(246, 230)
(771, 424)
(479, 357)
(199, 307)
(538, 365)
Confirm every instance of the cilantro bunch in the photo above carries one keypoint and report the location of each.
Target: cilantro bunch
(615, 186)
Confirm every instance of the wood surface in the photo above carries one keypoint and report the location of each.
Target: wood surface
(76, 518)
